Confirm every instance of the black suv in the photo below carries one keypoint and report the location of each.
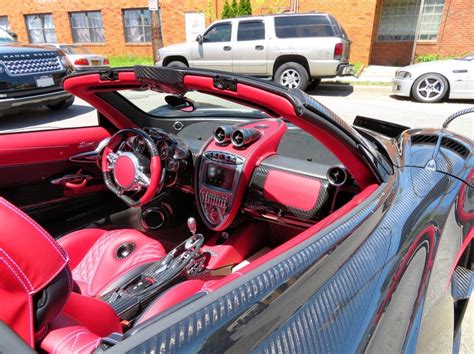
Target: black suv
(31, 75)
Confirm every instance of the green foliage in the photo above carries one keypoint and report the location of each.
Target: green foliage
(234, 8)
(245, 8)
(432, 57)
(226, 12)
(129, 60)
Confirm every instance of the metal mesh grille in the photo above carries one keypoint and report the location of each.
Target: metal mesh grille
(32, 66)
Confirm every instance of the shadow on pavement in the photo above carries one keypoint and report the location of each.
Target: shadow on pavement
(41, 116)
(337, 90)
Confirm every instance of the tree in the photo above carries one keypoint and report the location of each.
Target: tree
(234, 8)
(226, 11)
(245, 8)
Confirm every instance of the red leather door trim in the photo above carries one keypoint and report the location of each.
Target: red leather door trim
(48, 146)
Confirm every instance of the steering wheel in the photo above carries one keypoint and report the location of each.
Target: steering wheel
(131, 171)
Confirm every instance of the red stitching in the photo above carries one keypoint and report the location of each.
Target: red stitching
(66, 338)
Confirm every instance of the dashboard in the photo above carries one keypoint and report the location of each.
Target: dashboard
(261, 168)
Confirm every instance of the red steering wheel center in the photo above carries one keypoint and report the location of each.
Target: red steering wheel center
(125, 171)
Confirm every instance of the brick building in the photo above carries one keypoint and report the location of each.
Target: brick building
(382, 31)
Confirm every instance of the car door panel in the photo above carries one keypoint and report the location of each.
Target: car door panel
(31, 162)
(250, 48)
(215, 52)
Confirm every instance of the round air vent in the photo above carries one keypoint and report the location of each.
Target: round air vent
(222, 134)
(124, 250)
(244, 136)
(337, 176)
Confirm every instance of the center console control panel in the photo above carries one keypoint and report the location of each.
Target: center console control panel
(218, 179)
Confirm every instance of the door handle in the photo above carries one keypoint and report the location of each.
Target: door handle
(227, 48)
(72, 181)
(259, 47)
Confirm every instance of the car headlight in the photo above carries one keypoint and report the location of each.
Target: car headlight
(403, 74)
(2, 68)
(65, 61)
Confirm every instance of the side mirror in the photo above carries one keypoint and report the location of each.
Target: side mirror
(199, 39)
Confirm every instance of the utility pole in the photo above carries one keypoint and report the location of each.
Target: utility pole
(156, 35)
(417, 31)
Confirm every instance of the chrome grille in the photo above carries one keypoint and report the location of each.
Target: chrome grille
(32, 66)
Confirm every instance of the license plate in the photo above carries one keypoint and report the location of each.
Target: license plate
(44, 81)
(95, 62)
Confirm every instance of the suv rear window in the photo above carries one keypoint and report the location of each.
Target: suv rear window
(251, 31)
(303, 26)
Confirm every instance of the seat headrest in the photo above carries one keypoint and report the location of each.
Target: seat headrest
(30, 261)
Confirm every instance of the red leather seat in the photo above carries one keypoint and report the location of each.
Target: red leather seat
(36, 298)
(96, 261)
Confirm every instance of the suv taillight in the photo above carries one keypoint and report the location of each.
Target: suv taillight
(338, 49)
(81, 62)
(106, 61)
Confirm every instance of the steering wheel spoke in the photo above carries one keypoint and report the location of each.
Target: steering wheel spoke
(142, 179)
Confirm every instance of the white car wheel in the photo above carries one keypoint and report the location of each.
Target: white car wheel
(430, 88)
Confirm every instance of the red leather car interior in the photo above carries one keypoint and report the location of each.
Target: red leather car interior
(48, 146)
(94, 261)
(30, 260)
(285, 188)
(353, 162)
(171, 297)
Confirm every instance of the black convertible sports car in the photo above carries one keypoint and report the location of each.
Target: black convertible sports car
(209, 212)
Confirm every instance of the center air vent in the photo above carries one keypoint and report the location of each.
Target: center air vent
(222, 134)
(244, 136)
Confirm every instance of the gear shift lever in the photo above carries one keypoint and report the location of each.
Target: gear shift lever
(192, 226)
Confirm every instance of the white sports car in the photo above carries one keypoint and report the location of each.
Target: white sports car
(433, 81)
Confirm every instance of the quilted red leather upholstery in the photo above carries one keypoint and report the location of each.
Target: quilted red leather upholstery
(67, 336)
(93, 256)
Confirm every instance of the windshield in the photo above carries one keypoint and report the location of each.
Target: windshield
(72, 49)
(5, 37)
(197, 104)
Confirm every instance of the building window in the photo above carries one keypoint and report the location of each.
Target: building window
(137, 25)
(41, 28)
(4, 24)
(398, 20)
(87, 27)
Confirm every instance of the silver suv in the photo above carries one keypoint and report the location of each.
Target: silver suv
(292, 49)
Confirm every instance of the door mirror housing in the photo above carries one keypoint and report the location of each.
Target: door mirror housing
(199, 39)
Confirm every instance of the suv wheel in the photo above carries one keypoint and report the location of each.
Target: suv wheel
(63, 104)
(292, 75)
(176, 64)
(430, 88)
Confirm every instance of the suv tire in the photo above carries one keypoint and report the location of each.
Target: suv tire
(62, 105)
(176, 64)
(292, 75)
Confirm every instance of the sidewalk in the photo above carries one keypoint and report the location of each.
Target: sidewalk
(373, 78)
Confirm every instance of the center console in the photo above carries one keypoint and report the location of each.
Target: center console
(226, 166)
(219, 176)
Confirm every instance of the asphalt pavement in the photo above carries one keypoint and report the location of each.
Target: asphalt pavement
(373, 102)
